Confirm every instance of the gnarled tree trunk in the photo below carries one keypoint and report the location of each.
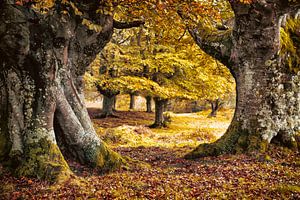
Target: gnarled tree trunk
(43, 114)
(268, 101)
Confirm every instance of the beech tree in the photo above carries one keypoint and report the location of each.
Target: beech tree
(215, 106)
(44, 54)
(267, 107)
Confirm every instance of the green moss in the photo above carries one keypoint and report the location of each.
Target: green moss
(256, 143)
(264, 144)
(290, 44)
(43, 160)
(107, 159)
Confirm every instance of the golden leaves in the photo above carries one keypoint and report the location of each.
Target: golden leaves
(91, 25)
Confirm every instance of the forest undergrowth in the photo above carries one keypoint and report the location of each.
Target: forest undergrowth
(156, 169)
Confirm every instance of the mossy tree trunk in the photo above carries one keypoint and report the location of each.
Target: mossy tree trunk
(43, 115)
(159, 113)
(149, 104)
(268, 101)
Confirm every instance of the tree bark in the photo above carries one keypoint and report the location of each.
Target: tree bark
(267, 107)
(159, 113)
(132, 102)
(149, 104)
(43, 115)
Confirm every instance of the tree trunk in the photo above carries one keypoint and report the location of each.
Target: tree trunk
(149, 104)
(108, 106)
(268, 101)
(159, 113)
(215, 106)
(132, 102)
(43, 115)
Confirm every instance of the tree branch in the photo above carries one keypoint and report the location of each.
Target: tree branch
(125, 25)
(218, 45)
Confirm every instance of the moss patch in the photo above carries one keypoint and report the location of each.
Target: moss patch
(43, 160)
(290, 43)
(108, 160)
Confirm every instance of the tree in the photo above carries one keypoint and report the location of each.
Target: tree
(109, 95)
(267, 107)
(215, 106)
(45, 52)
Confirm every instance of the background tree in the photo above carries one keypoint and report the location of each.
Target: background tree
(167, 71)
(215, 106)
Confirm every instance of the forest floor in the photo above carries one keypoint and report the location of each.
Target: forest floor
(157, 170)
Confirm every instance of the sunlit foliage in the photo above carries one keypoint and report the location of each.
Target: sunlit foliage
(290, 43)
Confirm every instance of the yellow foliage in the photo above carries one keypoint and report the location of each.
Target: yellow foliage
(290, 44)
